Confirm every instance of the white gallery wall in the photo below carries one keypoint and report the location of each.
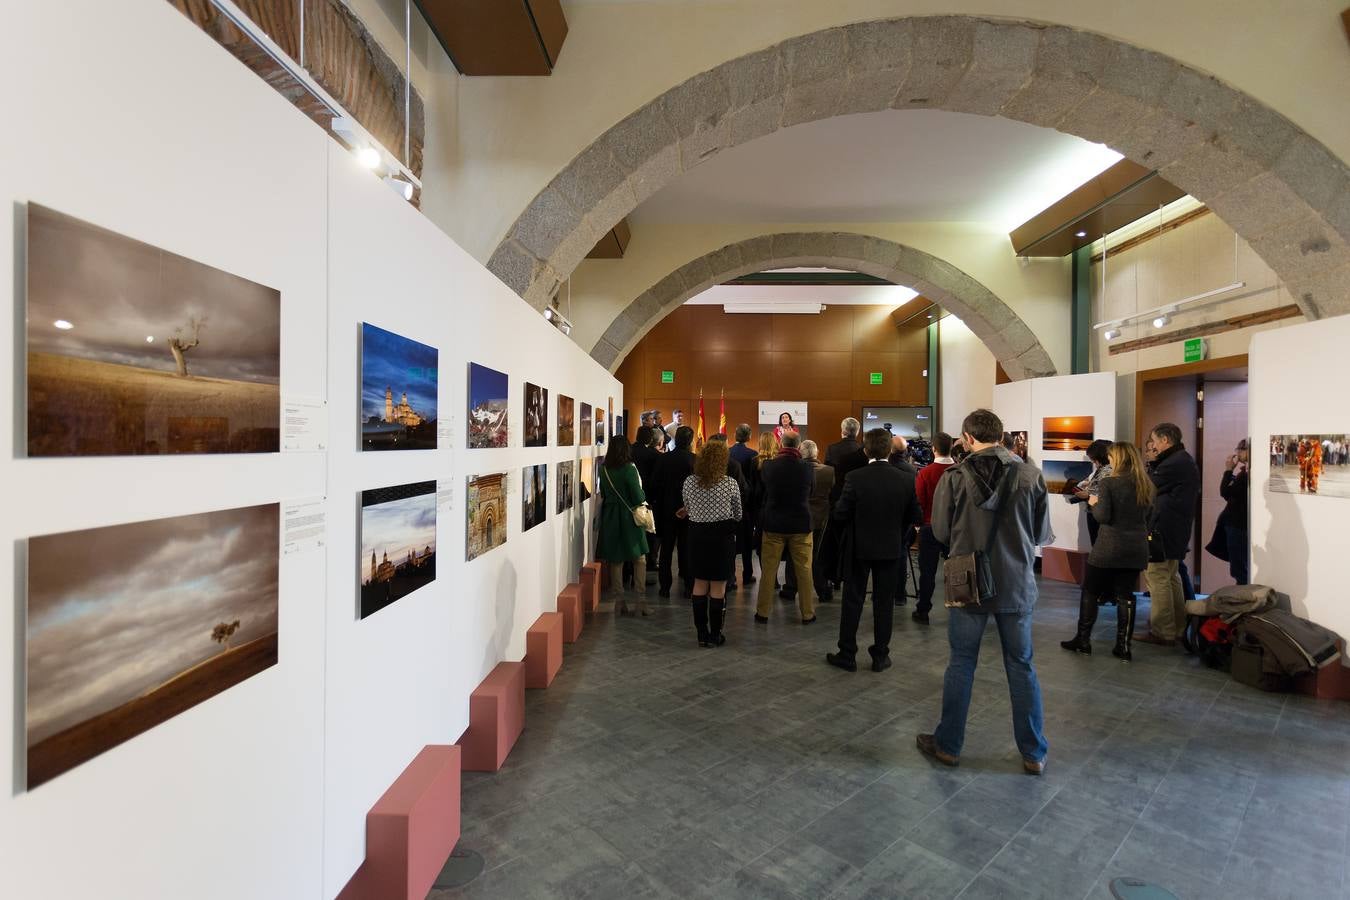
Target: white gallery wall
(1022, 405)
(142, 124)
(1299, 542)
(966, 380)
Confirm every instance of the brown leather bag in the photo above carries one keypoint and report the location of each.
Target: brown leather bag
(968, 578)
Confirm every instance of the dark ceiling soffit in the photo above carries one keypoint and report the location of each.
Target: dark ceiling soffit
(1122, 194)
(813, 279)
(920, 308)
(548, 34)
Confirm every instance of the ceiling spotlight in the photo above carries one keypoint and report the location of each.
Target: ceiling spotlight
(1162, 321)
(63, 324)
(149, 338)
(566, 329)
(400, 186)
(548, 314)
(1081, 234)
(368, 157)
(1111, 334)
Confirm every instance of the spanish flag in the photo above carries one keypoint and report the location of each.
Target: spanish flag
(699, 435)
(722, 414)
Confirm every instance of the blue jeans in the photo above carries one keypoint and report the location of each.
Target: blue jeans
(965, 630)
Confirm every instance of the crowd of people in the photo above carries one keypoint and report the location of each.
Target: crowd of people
(850, 519)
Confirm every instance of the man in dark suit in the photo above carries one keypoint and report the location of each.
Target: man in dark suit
(843, 456)
(667, 496)
(879, 504)
(848, 443)
(900, 455)
(736, 474)
(645, 457)
(900, 459)
(743, 454)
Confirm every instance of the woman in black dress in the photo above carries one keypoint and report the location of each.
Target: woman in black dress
(712, 504)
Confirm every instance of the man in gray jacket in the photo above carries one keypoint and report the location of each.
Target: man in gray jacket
(996, 504)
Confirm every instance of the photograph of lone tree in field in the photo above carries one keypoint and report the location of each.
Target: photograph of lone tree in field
(134, 350)
(130, 625)
(398, 543)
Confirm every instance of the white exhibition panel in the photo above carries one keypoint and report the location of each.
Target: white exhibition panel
(1022, 405)
(400, 679)
(1299, 542)
(144, 125)
(770, 410)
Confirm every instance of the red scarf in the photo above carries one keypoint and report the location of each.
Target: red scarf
(789, 451)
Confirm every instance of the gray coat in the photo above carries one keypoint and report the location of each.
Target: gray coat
(969, 496)
(1122, 542)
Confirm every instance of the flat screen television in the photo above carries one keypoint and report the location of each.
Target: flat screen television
(906, 421)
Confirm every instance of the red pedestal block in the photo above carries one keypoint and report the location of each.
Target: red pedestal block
(411, 830)
(543, 650)
(569, 605)
(496, 718)
(1331, 682)
(591, 575)
(1063, 565)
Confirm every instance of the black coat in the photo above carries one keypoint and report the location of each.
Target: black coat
(1178, 482)
(787, 482)
(645, 458)
(666, 493)
(901, 462)
(838, 450)
(847, 463)
(880, 503)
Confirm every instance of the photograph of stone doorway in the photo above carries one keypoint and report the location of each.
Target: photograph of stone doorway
(485, 514)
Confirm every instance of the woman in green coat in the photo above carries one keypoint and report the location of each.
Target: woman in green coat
(621, 539)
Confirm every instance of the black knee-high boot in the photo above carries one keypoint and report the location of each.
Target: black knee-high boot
(717, 613)
(1087, 617)
(701, 619)
(1124, 628)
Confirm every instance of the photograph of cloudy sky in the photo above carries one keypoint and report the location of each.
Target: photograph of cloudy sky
(134, 350)
(398, 543)
(398, 391)
(130, 625)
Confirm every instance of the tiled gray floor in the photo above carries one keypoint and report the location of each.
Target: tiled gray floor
(652, 768)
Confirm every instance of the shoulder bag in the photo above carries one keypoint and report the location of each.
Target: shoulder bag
(642, 513)
(968, 578)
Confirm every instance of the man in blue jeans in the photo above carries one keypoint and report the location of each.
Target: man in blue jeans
(993, 504)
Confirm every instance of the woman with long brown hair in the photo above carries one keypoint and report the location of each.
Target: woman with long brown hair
(1121, 507)
(712, 504)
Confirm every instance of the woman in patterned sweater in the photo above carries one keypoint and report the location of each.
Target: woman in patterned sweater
(712, 504)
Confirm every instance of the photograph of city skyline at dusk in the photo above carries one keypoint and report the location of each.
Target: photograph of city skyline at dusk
(130, 625)
(133, 350)
(398, 543)
(398, 391)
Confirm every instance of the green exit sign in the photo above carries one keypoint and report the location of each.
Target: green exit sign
(876, 378)
(1194, 350)
(667, 376)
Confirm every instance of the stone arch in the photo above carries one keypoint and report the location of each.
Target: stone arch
(1281, 190)
(1003, 332)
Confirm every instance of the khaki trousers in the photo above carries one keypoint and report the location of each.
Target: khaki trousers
(799, 547)
(1167, 603)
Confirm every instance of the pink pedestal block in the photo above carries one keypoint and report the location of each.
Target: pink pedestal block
(591, 575)
(1063, 565)
(569, 605)
(496, 718)
(411, 830)
(543, 650)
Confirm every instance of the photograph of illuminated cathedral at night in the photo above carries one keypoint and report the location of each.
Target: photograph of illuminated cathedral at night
(398, 392)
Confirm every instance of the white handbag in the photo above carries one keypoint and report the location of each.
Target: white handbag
(642, 513)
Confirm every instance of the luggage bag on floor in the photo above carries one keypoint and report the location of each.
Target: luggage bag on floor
(1275, 647)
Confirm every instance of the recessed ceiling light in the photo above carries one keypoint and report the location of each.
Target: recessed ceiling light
(63, 324)
(149, 338)
(1081, 234)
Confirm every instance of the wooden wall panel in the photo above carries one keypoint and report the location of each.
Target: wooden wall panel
(830, 330)
(825, 360)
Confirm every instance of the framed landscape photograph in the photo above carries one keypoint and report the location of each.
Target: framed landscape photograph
(1310, 464)
(1066, 433)
(585, 424)
(134, 350)
(130, 625)
(567, 489)
(485, 514)
(487, 408)
(536, 415)
(533, 496)
(599, 425)
(398, 391)
(398, 543)
(566, 436)
(1062, 477)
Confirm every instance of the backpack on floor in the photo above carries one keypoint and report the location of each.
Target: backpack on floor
(1275, 647)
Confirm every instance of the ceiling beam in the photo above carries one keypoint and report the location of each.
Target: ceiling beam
(811, 279)
(498, 37)
(614, 244)
(1122, 194)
